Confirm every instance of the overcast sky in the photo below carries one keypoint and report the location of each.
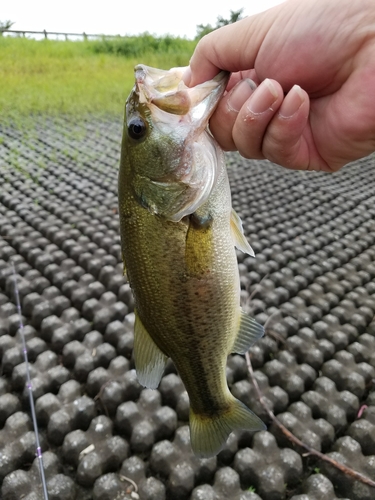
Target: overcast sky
(124, 17)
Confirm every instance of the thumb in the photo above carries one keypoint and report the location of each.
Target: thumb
(233, 47)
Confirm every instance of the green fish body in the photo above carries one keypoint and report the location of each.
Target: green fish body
(178, 234)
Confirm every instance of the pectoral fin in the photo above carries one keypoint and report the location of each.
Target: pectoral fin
(149, 360)
(239, 238)
(249, 332)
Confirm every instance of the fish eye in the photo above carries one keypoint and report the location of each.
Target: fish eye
(137, 128)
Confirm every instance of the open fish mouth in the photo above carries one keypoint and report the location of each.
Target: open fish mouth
(167, 90)
(170, 122)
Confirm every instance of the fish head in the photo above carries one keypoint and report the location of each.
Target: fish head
(171, 158)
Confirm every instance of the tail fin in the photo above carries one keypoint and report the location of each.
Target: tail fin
(209, 434)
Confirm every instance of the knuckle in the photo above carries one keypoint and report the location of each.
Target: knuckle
(281, 151)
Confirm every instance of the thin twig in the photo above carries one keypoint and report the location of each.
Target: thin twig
(311, 451)
(98, 397)
(268, 329)
(256, 288)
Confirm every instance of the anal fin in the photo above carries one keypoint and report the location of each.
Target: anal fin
(239, 238)
(249, 332)
(149, 360)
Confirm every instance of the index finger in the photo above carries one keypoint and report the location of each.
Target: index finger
(233, 48)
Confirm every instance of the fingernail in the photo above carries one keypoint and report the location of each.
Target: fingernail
(292, 102)
(186, 77)
(240, 93)
(263, 98)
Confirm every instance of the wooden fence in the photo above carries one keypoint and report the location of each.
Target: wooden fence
(83, 35)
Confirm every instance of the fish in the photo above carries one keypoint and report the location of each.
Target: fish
(178, 239)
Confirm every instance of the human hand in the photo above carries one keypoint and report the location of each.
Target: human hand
(314, 108)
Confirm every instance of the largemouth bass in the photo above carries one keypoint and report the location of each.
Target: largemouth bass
(178, 233)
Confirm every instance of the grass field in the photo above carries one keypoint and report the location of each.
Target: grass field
(78, 77)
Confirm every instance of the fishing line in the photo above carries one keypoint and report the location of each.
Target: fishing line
(29, 387)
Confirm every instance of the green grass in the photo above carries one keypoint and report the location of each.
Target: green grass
(138, 46)
(78, 77)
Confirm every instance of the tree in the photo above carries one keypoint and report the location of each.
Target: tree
(5, 25)
(235, 15)
(204, 29)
